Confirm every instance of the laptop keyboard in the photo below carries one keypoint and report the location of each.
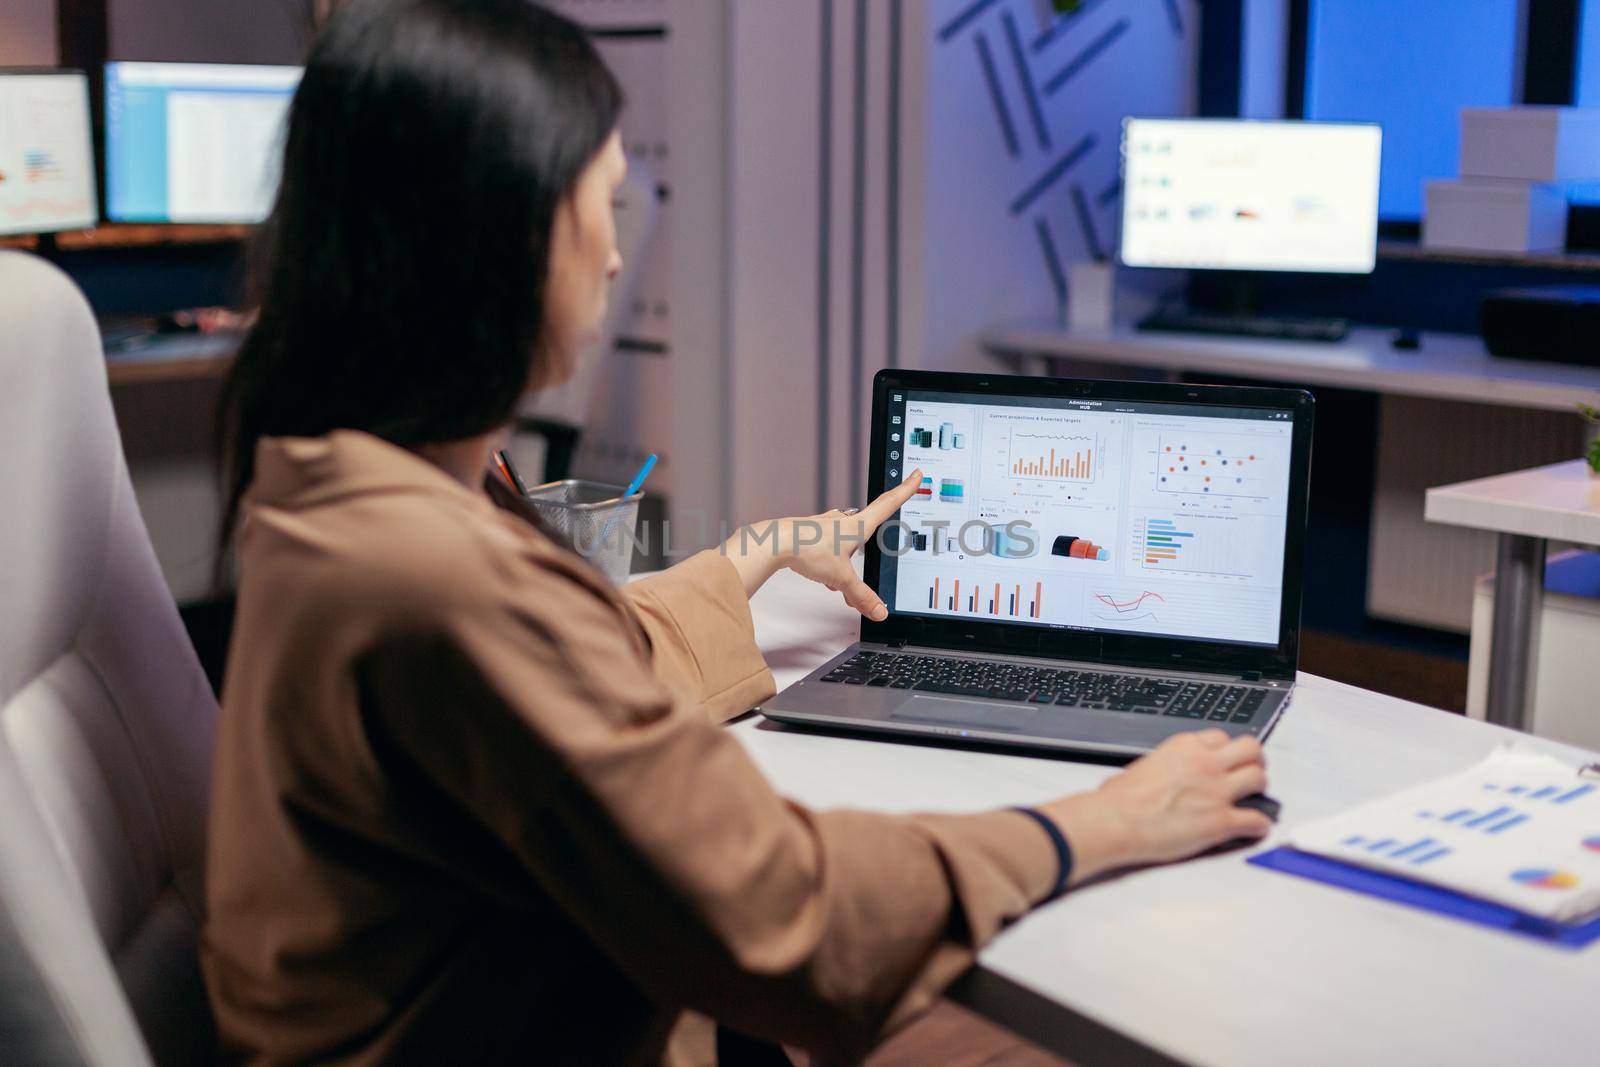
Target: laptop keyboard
(1044, 685)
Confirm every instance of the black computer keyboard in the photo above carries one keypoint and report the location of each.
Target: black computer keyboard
(1217, 702)
(1246, 326)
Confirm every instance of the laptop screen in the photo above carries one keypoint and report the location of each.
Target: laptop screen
(1158, 519)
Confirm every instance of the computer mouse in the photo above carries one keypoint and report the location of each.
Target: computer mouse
(1262, 803)
(1407, 340)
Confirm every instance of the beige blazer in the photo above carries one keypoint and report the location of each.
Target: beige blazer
(472, 804)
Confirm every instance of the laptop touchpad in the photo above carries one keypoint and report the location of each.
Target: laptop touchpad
(942, 711)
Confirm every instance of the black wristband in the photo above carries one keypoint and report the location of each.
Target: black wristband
(1063, 850)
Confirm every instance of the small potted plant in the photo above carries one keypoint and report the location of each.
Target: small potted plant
(1593, 456)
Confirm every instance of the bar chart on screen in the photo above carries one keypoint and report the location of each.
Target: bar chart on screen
(1059, 457)
(1226, 547)
(978, 595)
(1036, 454)
(1163, 541)
(1000, 593)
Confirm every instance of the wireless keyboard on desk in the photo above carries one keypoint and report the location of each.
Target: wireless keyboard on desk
(1246, 326)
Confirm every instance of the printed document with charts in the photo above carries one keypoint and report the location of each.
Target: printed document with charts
(1518, 829)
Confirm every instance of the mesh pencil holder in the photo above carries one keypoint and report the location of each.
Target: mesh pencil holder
(597, 519)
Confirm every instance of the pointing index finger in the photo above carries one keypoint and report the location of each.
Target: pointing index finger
(875, 513)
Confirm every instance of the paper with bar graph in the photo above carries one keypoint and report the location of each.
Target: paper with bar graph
(1518, 829)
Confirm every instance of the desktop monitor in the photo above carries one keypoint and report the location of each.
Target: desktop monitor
(47, 180)
(194, 142)
(1250, 196)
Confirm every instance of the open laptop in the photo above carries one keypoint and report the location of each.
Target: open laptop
(1087, 565)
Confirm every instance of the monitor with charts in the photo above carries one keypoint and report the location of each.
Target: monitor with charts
(47, 178)
(1242, 195)
(194, 142)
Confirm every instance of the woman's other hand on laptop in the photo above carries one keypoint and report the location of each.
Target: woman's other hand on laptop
(1171, 804)
(820, 547)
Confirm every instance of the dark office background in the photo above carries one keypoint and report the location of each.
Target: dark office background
(1408, 65)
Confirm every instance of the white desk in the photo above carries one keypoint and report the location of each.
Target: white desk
(1214, 961)
(1527, 509)
(1445, 367)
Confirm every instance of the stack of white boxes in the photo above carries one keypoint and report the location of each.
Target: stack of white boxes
(1516, 166)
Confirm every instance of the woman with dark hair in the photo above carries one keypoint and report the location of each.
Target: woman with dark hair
(471, 803)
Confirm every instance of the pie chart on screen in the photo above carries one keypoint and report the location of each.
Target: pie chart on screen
(1592, 843)
(1544, 878)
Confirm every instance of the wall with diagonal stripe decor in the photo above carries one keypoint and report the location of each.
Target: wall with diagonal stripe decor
(986, 139)
(858, 184)
(1022, 156)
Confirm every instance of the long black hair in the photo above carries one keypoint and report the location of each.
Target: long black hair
(402, 272)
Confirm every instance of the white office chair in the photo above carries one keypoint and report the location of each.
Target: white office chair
(106, 721)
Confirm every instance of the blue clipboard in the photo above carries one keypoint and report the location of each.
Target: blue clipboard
(1427, 897)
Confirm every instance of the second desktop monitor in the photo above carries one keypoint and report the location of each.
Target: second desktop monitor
(1250, 196)
(194, 142)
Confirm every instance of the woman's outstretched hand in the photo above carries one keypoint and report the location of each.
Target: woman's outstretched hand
(839, 535)
(820, 547)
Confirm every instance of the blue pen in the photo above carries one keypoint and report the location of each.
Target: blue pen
(633, 487)
(638, 479)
